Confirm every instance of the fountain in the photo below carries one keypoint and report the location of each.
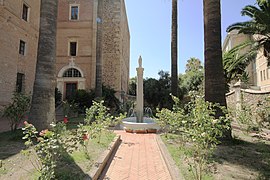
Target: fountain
(138, 122)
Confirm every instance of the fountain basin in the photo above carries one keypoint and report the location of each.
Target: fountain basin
(148, 125)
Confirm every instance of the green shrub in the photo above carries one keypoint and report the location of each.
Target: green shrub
(110, 100)
(46, 148)
(99, 119)
(58, 97)
(199, 128)
(83, 99)
(263, 113)
(16, 111)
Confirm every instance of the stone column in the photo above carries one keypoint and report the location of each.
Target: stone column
(237, 88)
(139, 96)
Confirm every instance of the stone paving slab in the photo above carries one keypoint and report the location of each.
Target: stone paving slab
(138, 158)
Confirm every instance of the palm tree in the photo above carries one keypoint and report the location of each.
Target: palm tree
(215, 87)
(98, 88)
(193, 64)
(235, 62)
(258, 25)
(42, 112)
(174, 73)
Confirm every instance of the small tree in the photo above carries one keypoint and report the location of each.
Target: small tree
(16, 111)
(203, 131)
(199, 128)
(98, 118)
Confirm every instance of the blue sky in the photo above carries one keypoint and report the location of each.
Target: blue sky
(150, 23)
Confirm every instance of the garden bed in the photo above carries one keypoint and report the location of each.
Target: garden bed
(245, 157)
(76, 165)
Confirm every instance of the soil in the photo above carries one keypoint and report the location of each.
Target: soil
(14, 165)
(245, 158)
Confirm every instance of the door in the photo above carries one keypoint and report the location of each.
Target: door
(70, 89)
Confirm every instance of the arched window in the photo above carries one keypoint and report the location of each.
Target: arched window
(72, 73)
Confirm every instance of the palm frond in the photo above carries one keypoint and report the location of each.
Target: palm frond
(235, 63)
(259, 24)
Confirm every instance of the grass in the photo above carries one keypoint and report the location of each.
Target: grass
(179, 152)
(74, 121)
(74, 165)
(79, 119)
(242, 158)
(77, 164)
(3, 171)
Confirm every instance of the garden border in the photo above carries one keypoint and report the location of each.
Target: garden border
(102, 161)
(170, 163)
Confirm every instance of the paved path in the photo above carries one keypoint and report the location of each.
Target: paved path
(138, 158)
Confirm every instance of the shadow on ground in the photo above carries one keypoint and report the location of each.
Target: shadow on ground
(67, 169)
(11, 143)
(252, 155)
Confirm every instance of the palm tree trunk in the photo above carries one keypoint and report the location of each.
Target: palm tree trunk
(215, 86)
(174, 73)
(42, 112)
(98, 88)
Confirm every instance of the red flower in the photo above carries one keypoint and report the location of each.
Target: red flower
(43, 132)
(65, 120)
(85, 136)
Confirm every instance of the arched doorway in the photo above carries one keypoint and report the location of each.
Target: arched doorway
(71, 87)
(69, 80)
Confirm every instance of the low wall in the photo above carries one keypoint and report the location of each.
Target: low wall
(248, 97)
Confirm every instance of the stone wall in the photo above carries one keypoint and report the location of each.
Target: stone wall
(247, 97)
(125, 58)
(115, 45)
(13, 29)
(111, 43)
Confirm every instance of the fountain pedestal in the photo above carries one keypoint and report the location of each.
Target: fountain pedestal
(140, 123)
(139, 90)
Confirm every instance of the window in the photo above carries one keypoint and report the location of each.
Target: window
(19, 82)
(25, 12)
(72, 73)
(261, 76)
(74, 12)
(73, 48)
(264, 77)
(22, 47)
(267, 73)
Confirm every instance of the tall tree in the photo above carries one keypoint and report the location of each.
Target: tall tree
(235, 62)
(42, 112)
(258, 25)
(174, 72)
(215, 87)
(193, 64)
(98, 89)
(193, 77)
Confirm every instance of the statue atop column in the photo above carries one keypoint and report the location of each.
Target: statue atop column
(140, 61)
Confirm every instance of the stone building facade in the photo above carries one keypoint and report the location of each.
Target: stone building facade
(259, 73)
(76, 32)
(19, 30)
(76, 45)
(233, 39)
(262, 69)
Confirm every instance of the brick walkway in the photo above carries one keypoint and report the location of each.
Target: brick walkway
(138, 158)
